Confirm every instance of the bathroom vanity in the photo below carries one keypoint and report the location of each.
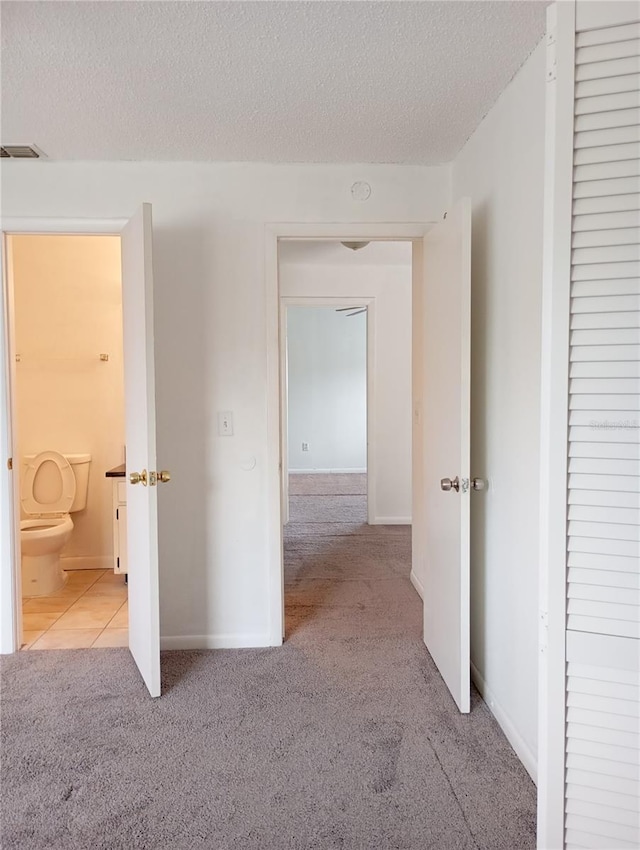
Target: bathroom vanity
(119, 517)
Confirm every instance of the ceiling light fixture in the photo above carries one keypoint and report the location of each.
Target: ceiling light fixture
(354, 246)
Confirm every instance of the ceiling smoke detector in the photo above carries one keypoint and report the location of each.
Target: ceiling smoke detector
(20, 152)
(354, 246)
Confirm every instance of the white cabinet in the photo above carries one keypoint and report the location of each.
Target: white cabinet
(120, 526)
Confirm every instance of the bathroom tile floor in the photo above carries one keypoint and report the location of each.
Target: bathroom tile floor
(90, 610)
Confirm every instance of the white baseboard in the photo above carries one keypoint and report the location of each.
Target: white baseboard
(350, 471)
(522, 750)
(224, 641)
(415, 581)
(390, 520)
(87, 562)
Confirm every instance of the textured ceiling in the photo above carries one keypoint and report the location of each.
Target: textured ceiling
(324, 81)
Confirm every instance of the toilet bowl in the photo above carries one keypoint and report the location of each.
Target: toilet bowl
(48, 494)
(42, 541)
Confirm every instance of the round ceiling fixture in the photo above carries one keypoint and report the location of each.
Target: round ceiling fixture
(355, 246)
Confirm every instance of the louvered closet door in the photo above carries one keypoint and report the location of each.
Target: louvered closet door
(602, 791)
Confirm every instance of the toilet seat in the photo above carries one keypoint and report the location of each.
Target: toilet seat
(58, 508)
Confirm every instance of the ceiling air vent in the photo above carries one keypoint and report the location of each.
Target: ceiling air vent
(21, 152)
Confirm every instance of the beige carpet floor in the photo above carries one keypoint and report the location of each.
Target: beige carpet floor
(345, 738)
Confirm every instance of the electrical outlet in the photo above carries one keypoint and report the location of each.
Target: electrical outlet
(305, 447)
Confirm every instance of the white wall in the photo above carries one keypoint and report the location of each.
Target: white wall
(326, 390)
(210, 331)
(502, 169)
(364, 274)
(68, 310)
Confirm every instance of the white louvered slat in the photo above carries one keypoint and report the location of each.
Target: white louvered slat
(588, 561)
(623, 451)
(596, 513)
(579, 840)
(599, 546)
(626, 817)
(611, 68)
(605, 578)
(614, 203)
(596, 188)
(613, 136)
(625, 117)
(606, 369)
(606, 221)
(623, 254)
(588, 90)
(609, 50)
(626, 325)
(605, 289)
(599, 170)
(605, 103)
(600, 238)
(624, 32)
(626, 802)
(605, 498)
(591, 353)
(601, 402)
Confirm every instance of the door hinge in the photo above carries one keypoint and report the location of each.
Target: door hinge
(552, 62)
(543, 638)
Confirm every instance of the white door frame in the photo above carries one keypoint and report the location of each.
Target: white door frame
(10, 578)
(369, 303)
(554, 394)
(320, 231)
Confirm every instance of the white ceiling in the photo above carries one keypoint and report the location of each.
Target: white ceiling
(331, 253)
(323, 81)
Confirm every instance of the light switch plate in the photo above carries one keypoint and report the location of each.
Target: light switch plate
(225, 423)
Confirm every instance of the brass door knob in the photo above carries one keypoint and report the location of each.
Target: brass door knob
(164, 475)
(139, 477)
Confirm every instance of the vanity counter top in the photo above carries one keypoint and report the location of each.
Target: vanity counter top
(116, 472)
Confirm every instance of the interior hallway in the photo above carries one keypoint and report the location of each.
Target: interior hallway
(345, 737)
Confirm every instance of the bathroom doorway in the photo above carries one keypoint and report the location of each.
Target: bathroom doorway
(65, 344)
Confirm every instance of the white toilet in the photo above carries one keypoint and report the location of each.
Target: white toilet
(52, 487)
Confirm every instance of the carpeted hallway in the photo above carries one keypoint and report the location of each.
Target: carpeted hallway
(344, 738)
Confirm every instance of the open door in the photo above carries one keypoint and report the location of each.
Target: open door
(447, 324)
(142, 492)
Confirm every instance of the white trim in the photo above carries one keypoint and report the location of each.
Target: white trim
(354, 471)
(521, 748)
(222, 641)
(86, 562)
(390, 232)
(69, 226)
(415, 581)
(10, 580)
(391, 520)
(554, 394)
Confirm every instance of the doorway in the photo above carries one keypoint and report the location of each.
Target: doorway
(143, 593)
(65, 341)
(346, 422)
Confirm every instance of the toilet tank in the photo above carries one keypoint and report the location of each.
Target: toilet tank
(80, 464)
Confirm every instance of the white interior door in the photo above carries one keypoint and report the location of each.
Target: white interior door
(142, 498)
(447, 323)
